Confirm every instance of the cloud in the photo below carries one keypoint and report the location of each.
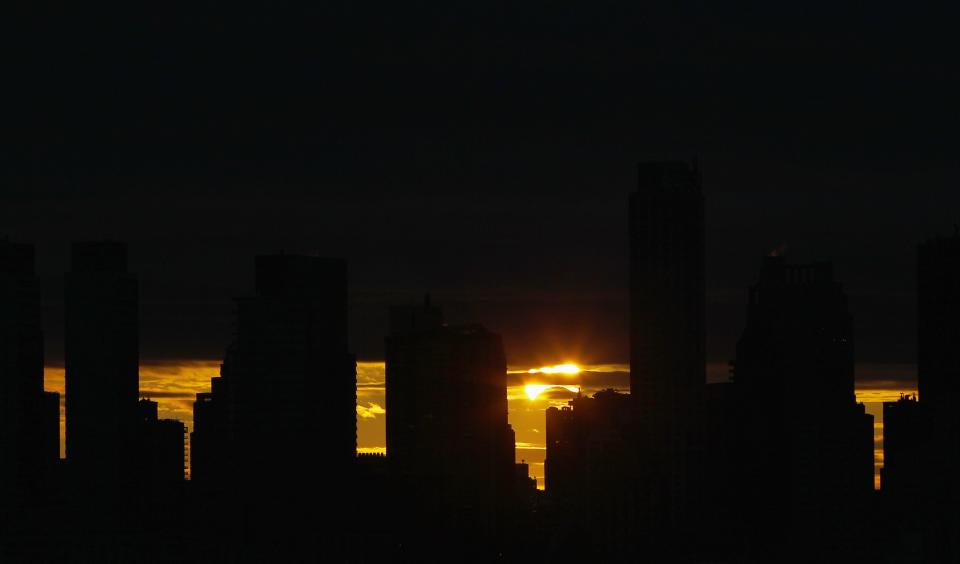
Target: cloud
(370, 412)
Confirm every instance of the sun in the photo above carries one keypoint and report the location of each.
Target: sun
(534, 390)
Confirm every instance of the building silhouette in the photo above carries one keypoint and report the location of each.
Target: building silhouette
(448, 439)
(275, 439)
(27, 449)
(667, 358)
(590, 463)
(102, 364)
(903, 476)
(806, 445)
(210, 438)
(162, 450)
(938, 383)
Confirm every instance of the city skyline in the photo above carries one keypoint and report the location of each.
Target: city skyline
(658, 282)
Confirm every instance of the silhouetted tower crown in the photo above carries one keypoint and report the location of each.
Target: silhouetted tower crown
(798, 315)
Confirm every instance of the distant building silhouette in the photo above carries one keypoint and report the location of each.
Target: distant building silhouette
(50, 423)
(102, 363)
(904, 431)
(161, 446)
(806, 445)
(667, 342)
(210, 439)
(26, 448)
(591, 460)
(448, 437)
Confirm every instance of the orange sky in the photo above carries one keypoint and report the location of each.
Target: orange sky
(173, 386)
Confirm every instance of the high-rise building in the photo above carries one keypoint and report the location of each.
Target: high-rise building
(447, 431)
(102, 363)
(283, 411)
(806, 445)
(667, 359)
(23, 422)
(938, 382)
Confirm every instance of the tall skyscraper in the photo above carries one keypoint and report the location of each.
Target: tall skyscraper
(102, 363)
(806, 444)
(23, 415)
(667, 359)
(283, 411)
(447, 431)
(938, 382)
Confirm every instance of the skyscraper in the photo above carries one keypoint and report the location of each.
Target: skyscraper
(23, 415)
(448, 437)
(283, 411)
(291, 350)
(102, 362)
(806, 445)
(667, 359)
(938, 382)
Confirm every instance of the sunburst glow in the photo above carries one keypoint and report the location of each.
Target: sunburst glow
(558, 369)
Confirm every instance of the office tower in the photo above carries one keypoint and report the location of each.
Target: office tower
(293, 380)
(448, 435)
(102, 363)
(667, 359)
(806, 445)
(283, 411)
(22, 424)
(590, 465)
(938, 382)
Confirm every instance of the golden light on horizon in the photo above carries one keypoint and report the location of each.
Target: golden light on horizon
(534, 390)
(558, 369)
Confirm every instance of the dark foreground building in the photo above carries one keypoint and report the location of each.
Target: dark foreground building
(449, 444)
(590, 470)
(938, 381)
(805, 444)
(28, 449)
(667, 362)
(102, 365)
(275, 439)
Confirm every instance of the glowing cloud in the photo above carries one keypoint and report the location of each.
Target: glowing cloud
(558, 369)
(370, 412)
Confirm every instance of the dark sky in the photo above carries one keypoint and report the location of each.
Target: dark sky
(483, 152)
